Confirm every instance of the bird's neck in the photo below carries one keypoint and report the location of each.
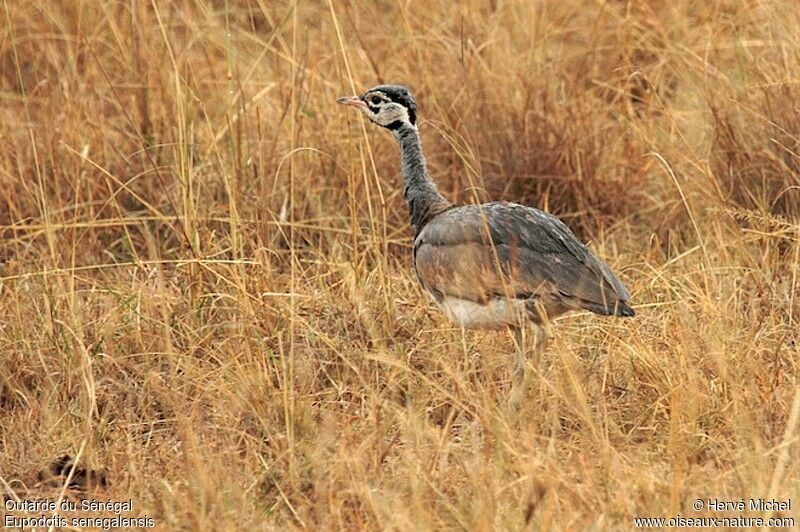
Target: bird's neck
(423, 198)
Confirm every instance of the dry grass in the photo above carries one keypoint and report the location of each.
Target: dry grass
(204, 266)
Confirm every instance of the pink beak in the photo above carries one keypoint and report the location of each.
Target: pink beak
(355, 101)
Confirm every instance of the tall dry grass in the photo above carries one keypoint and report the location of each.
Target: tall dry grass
(205, 279)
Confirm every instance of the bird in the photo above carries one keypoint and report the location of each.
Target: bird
(491, 266)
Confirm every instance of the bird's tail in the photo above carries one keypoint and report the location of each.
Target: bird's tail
(623, 309)
(617, 308)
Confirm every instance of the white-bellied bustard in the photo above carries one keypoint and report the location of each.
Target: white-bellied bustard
(495, 265)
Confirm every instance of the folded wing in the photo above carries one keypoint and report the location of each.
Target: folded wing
(480, 252)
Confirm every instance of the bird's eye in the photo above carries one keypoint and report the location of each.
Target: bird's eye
(375, 100)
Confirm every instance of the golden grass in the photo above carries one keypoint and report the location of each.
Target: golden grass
(205, 279)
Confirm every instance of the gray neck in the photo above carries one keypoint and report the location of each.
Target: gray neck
(423, 198)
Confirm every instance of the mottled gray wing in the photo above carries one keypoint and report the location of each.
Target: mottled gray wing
(538, 256)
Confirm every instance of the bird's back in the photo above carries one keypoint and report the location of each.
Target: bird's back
(499, 254)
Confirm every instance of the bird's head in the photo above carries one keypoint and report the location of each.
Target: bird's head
(390, 106)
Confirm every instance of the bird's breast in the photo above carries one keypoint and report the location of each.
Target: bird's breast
(496, 313)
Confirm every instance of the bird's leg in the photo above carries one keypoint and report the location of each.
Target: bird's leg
(519, 343)
(520, 374)
(539, 343)
(541, 335)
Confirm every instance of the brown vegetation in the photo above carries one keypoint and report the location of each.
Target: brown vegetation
(205, 281)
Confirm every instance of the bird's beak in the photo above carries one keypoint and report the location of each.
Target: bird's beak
(354, 101)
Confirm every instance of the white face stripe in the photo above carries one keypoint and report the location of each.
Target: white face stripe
(380, 94)
(383, 99)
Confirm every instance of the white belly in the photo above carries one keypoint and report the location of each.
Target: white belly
(496, 314)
